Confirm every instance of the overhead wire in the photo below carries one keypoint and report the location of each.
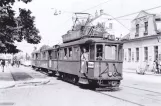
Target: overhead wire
(96, 5)
(118, 22)
(117, 18)
(91, 8)
(137, 12)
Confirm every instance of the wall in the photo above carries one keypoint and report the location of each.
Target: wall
(140, 44)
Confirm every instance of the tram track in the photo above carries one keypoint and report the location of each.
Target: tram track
(141, 89)
(118, 98)
(129, 100)
(144, 93)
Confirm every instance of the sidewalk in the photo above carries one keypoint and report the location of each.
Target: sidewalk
(25, 76)
(6, 78)
(146, 73)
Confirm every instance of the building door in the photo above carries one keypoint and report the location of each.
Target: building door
(155, 52)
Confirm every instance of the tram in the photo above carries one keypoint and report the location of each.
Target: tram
(87, 56)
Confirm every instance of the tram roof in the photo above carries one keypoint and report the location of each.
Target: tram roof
(90, 40)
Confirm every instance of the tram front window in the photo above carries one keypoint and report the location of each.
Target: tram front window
(110, 52)
(99, 51)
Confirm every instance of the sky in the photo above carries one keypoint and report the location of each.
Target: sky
(52, 27)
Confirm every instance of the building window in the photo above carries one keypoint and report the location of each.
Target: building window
(146, 28)
(110, 26)
(158, 25)
(155, 52)
(129, 51)
(137, 30)
(132, 56)
(145, 53)
(137, 54)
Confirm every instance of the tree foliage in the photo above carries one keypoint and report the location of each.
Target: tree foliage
(14, 28)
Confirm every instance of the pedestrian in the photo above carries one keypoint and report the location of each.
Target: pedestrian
(3, 64)
(159, 62)
(18, 63)
(154, 67)
(157, 66)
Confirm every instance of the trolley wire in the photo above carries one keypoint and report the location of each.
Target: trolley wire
(137, 12)
(96, 6)
(91, 8)
(116, 18)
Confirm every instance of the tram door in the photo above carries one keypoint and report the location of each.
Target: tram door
(87, 55)
(84, 58)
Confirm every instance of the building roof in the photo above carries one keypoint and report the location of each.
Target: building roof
(126, 37)
(143, 38)
(142, 13)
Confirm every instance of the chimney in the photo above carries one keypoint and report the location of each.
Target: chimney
(101, 11)
(96, 14)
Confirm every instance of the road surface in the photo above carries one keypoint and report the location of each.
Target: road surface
(135, 90)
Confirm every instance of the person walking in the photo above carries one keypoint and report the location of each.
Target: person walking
(157, 66)
(154, 67)
(3, 65)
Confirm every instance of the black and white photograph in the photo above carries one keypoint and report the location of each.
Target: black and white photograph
(80, 53)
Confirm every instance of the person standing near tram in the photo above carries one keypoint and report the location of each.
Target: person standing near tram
(84, 60)
(3, 65)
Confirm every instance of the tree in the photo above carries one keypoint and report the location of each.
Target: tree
(14, 28)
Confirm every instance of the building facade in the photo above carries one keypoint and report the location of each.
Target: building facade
(143, 44)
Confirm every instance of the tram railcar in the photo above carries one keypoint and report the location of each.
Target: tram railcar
(104, 64)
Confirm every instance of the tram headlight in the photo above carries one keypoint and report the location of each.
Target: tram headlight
(110, 74)
(114, 74)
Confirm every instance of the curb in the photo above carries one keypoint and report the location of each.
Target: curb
(9, 86)
(144, 74)
(32, 82)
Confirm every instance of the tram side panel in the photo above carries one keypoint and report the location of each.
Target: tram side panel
(44, 64)
(53, 65)
(70, 67)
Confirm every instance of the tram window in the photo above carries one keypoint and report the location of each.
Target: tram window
(43, 55)
(61, 54)
(54, 55)
(65, 53)
(36, 56)
(50, 54)
(99, 51)
(76, 53)
(110, 52)
(92, 52)
(120, 52)
(70, 53)
(32, 56)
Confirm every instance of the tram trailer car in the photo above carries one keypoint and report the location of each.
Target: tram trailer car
(40, 60)
(35, 57)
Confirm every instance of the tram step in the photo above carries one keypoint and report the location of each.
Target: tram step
(83, 81)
